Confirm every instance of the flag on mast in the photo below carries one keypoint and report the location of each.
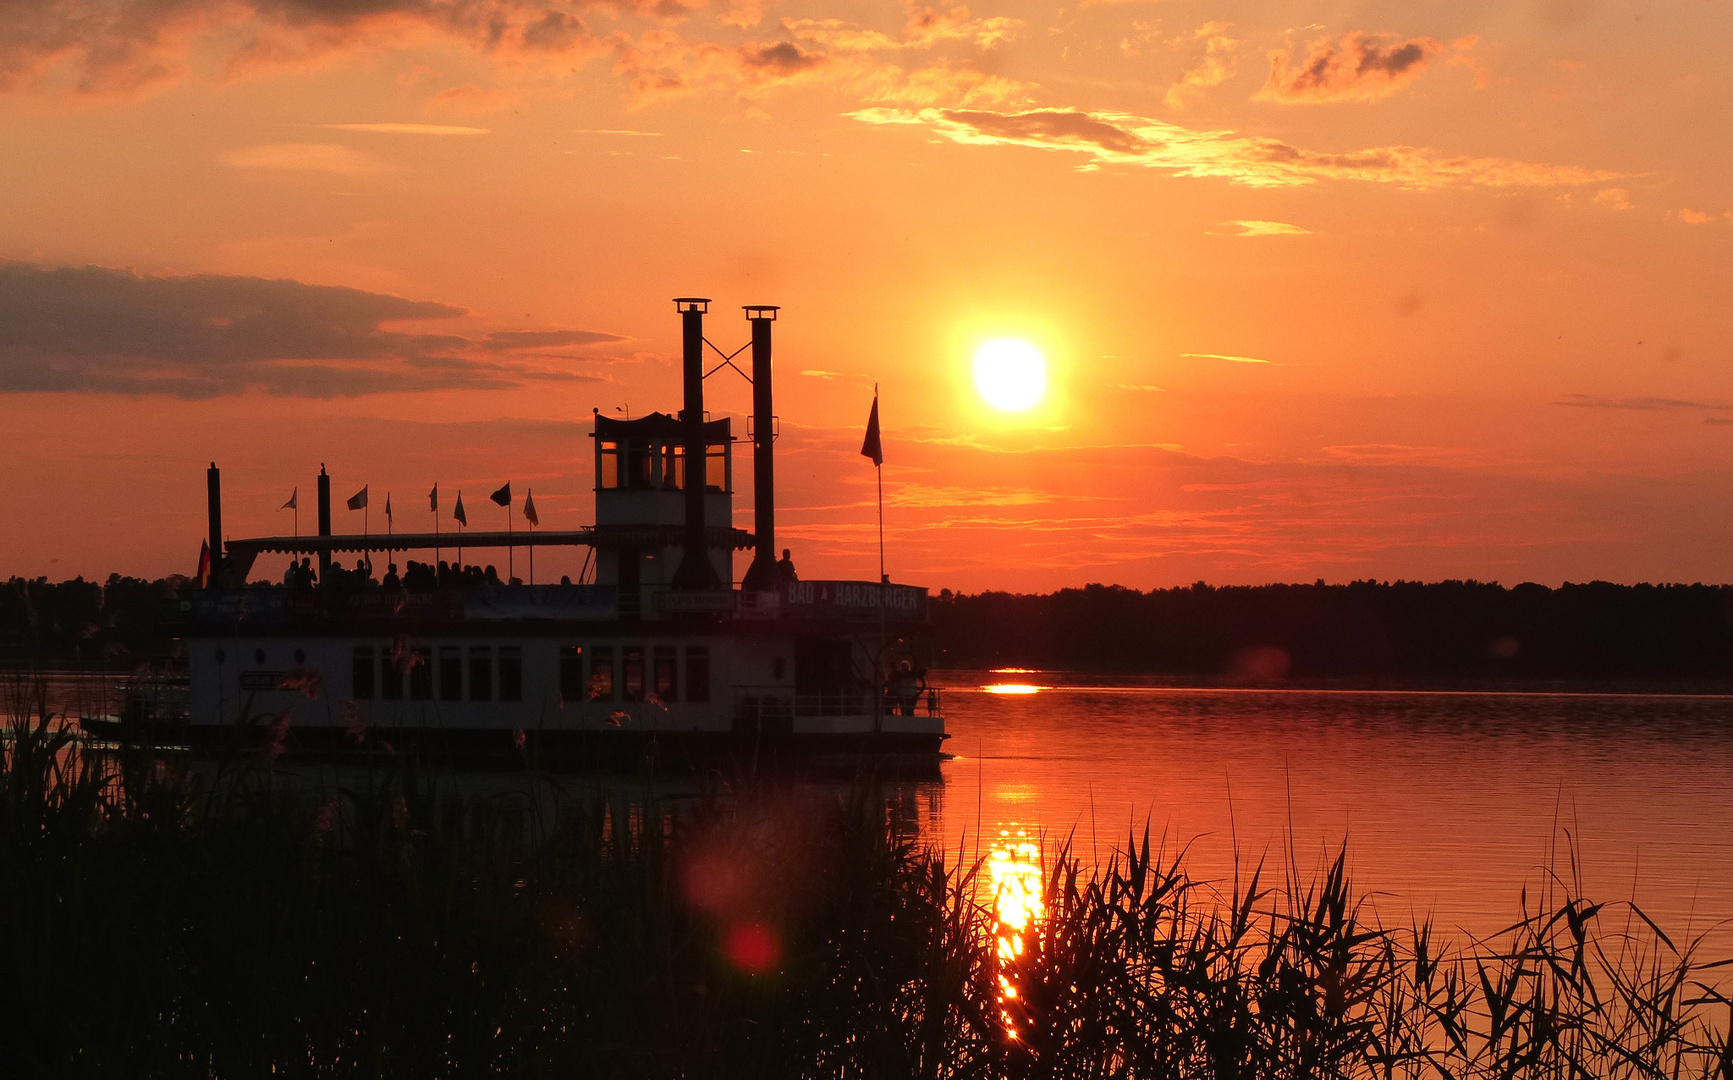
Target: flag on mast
(388, 507)
(530, 507)
(457, 512)
(872, 447)
(503, 495)
(294, 502)
(204, 564)
(358, 501)
(433, 499)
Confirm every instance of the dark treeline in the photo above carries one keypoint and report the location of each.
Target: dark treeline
(113, 624)
(1406, 629)
(1402, 629)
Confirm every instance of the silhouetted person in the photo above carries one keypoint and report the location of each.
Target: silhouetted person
(785, 569)
(444, 577)
(391, 580)
(565, 579)
(492, 575)
(289, 575)
(306, 577)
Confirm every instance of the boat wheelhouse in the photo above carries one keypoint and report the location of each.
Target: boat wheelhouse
(657, 645)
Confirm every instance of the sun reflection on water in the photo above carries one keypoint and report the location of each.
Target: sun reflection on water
(1014, 869)
(1011, 688)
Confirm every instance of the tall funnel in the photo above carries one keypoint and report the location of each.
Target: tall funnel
(324, 519)
(214, 510)
(761, 576)
(695, 570)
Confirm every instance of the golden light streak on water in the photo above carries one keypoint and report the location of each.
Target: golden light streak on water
(1011, 688)
(1014, 870)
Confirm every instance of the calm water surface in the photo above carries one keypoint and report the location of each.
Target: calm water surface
(1450, 803)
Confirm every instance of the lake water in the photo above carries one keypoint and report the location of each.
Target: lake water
(1450, 803)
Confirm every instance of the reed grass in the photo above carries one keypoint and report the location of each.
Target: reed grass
(162, 921)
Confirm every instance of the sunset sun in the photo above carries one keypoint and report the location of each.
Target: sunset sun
(1010, 374)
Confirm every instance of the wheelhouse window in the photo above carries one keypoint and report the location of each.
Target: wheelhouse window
(421, 675)
(480, 673)
(698, 673)
(665, 675)
(632, 674)
(511, 673)
(601, 674)
(361, 674)
(572, 688)
(450, 673)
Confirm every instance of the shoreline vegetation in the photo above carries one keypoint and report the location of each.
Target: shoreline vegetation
(1443, 634)
(165, 920)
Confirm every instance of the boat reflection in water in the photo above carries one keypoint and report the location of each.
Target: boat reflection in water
(1014, 872)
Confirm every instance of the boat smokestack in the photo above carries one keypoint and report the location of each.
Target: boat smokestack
(324, 519)
(695, 571)
(214, 510)
(761, 576)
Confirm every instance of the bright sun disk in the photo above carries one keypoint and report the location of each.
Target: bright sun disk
(1010, 373)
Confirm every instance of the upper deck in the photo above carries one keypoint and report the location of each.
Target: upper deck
(800, 606)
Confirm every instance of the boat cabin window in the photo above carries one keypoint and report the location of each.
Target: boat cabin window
(698, 673)
(665, 676)
(601, 673)
(572, 689)
(361, 674)
(632, 673)
(391, 674)
(421, 675)
(480, 673)
(511, 673)
(450, 673)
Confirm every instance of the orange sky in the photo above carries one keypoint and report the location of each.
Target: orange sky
(1480, 252)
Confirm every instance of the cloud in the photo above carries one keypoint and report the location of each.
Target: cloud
(1695, 217)
(126, 48)
(1228, 357)
(661, 65)
(1114, 138)
(330, 158)
(1613, 198)
(1267, 228)
(548, 339)
(925, 28)
(411, 129)
(816, 373)
(1353, 67)
(105, 330)
(1215, 67)
(1644, 404)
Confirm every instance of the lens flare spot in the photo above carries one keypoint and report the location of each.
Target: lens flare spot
(752, 947)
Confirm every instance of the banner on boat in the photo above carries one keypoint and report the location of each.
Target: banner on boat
(853, 599)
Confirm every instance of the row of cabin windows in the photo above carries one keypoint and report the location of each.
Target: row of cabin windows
(588, 673)
(644, 465)
(413, 675)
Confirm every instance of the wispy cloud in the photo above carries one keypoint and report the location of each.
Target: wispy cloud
(1642, 404)
(817, 373)
(1213, 68)
(1113, 138)
(102, 330)
(1353, 67)
(1228, 357)
(1266, 228)
(332, 158)
(410, 129)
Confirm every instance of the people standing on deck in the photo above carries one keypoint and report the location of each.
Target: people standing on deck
(785, 574)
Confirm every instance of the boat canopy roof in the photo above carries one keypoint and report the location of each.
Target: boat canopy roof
(658, 427)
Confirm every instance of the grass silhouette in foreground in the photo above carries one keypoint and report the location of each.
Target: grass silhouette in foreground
(153, 922)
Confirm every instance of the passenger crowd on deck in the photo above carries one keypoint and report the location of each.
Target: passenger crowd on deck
(416, 575)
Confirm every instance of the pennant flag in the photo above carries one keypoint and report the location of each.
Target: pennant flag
(388, 506)
(462, 518)
(294, 499)
(530, 508)
(358, 501)
(872, 448)
(503, 495)
(433, 499)
(204, 574)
